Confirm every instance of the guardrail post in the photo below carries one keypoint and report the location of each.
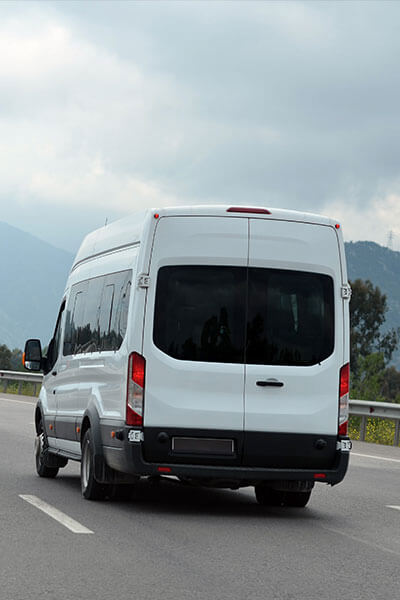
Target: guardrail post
(5, 386)
(19, 387)
(363, 428)
(396, 433)
(35, 389)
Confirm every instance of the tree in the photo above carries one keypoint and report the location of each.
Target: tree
(367, 383)
(367, 314)
(391, 384)
(5, 358)
(16, 360)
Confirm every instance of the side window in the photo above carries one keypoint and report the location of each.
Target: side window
(75, 318)
(106, 306)
(121, 283)
(88, 338)
(54, 345)
(123, 305)
(97, 314)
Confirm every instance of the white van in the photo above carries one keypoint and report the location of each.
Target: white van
(209, 343)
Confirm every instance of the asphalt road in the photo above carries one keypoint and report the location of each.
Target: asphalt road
(177, 542)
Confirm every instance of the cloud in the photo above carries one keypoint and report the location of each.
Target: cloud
(374, 222)
(109, 107)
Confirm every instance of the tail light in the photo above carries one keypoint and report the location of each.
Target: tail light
(135, 390)
(344, 399)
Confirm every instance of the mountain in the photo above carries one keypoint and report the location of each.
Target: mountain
(32, 281)
(367, 260)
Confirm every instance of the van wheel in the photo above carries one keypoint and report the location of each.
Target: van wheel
(267, 496)
(91, 489)
(41, 446)
(298, 499)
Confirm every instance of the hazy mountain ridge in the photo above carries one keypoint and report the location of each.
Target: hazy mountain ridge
(33, 275)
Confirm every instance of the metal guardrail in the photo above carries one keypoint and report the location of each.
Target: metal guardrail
(377, 410)
(359, 408)
(8, 377)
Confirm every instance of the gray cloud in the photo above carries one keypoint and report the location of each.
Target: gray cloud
(290, 104)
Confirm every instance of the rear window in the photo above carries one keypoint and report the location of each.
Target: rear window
(244, 315)
(199, 313)
(290, 317)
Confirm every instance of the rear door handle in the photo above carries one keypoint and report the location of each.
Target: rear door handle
(270, 383)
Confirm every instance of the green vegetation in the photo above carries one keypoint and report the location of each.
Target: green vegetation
(378, 431)
(25, 388)
(371, 350)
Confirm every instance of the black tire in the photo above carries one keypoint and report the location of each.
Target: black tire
(298, 499)
(41, 447)
(267, 496)
(91, 489)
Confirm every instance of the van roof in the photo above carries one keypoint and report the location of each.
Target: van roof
(129, 230)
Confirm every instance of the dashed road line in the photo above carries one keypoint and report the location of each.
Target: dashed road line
(396, 460)
(393, 506)
(56, 514)
(19, 401)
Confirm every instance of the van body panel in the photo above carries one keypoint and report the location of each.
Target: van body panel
(305, 402)
(182, 393)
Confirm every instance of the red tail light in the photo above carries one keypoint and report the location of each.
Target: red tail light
(135, 390)
(344, 387)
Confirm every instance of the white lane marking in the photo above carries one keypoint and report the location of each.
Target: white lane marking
(392, 506)
(360, 540)
(19, 401)
(56, 514)
(396, 460)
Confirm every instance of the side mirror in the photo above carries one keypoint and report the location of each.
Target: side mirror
(32, 357)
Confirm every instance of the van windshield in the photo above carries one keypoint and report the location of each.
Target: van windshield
(244, 315)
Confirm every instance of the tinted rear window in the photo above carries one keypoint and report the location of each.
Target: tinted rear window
(199, 313)
(238, 315)
(290, 317)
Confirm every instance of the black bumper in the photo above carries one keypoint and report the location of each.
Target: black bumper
(128, 458)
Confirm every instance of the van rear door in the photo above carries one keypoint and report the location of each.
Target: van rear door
(294, 345)
(194, 340)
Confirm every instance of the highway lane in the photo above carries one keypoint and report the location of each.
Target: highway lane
(173, 541)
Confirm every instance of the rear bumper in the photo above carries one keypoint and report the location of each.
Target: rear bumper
(128, 458)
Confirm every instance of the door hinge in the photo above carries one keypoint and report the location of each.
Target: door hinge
(346, 292)
(143, 281)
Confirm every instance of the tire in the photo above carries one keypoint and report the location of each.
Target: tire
(298, 499)
(91, 489)
(267, 496)
(41, 447)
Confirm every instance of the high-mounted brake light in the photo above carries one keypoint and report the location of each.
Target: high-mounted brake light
(344, 387)
(135, 389)
(246, 209)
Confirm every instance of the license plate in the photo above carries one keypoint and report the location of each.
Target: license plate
(135, 436)
(346, 445)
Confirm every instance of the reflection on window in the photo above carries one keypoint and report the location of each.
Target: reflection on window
(96, 309)
(238, 315)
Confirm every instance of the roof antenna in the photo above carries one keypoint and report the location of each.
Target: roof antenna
(105, 224)
(390, 240)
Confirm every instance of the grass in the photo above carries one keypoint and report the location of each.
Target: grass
(27, 388)
(379, 431)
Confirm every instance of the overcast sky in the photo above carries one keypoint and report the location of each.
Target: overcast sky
(109, 107)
